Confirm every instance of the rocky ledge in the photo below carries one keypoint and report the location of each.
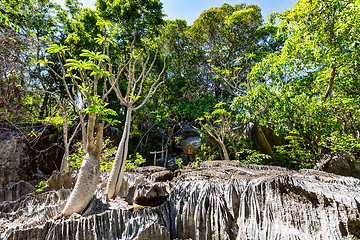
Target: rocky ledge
(220, 200)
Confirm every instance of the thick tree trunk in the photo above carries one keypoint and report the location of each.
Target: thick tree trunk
(117, 171)
(85, 186)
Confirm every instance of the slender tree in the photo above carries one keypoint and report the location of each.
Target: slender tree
(138, 75)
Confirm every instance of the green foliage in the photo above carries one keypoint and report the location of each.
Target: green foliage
(106, 166)
(206, 153)
(99, 108)
(77, 157)
(108, 153)
(41, 185)
(179, 162)
(218, 124)
(193, 110)
(249, 156)
(312, 80)
(133, 163)
(295, 153)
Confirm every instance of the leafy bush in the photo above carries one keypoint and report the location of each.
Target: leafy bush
(136, 162)
(107, 154)
(179, 162)
(249, 156)
(296, 153)
(41, 185)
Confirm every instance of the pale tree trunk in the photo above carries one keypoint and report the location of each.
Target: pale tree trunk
(133, 93)
(118, 169)
(65, 161)
(85, 186)
(89, 173)
(67, 141)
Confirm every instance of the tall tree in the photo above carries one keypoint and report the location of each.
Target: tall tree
(316, 74)
(227, 36)
(141, 80)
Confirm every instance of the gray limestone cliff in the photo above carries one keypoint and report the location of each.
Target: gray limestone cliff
(220, 200)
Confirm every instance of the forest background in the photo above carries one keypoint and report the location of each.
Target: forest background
(296, 73)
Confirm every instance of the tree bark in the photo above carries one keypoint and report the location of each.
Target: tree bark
(89, 174)
(226, 154)
(117, 171)
(65, 161)
(330, 85)
(85, 186)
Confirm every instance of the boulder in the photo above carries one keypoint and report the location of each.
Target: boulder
(14, 159)
(147, 186)
(339, 162)
(59, 180)
(189, 131)
(190, 142)
(191, 146)
(219, 200)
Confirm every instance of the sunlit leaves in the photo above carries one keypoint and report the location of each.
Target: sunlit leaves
(100, 39)
(99, 108)
(45, 61)
(55, 48)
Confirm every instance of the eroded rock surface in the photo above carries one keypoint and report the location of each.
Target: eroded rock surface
(21, 160)
(220, 200)
(341, 163)
(16, 191)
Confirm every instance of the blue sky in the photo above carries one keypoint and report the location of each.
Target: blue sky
(191, 9)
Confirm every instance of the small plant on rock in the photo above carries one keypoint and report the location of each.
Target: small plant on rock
(136, 162)
(179, 162)
(41, 185)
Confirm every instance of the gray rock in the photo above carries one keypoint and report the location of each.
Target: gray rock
(14, 154)
(189, 131)
(20, 161)
(59, 180)
(339, 162)
(148, 186)
(16, 191)
(220, 200)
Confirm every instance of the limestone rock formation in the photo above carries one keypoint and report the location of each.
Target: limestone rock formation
(15, 191)
(339, 162)
(220, 200)
(20, 160)
(59, 180)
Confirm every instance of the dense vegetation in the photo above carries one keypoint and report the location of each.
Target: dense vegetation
(297, 73)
